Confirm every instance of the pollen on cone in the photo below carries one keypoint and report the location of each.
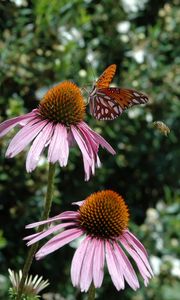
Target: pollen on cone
(104, 214)
(63, 104)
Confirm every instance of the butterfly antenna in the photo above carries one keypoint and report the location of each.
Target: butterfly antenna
(84, 89)
(92, 70)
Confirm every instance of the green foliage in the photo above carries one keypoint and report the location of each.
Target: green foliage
(13, 296)
(44, 42)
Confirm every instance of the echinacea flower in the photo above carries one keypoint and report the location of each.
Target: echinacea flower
(32, 287)
(57, 124)
(102, 219)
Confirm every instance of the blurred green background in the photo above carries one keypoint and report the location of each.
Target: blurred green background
(44, 42)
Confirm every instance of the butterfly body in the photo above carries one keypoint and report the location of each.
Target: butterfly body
(107, 103)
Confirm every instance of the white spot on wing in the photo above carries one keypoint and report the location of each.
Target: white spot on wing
(136, 94)
(135, 101)
(143, 100)
(107, 97)
(116, 109)
(111, 104)
(102, 101)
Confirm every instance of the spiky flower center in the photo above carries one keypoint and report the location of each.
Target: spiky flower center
(63, 104)
(104, 214)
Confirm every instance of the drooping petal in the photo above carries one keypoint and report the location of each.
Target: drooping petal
(30, 237)
(131, 237)
(112, 266)
(93, 143)
(139, 262)
(118, 262)
(25, 136)
(82, 145)
(126, 267)
(77, 262)
(98, 163)
(87, 168)
(98, 138)
(89, 156)
(64, 153)
(38, 146)
(59, 148)
(87, 266)
(98, 263)
(49, 231)
(59, 241)
(92, 147)
(7, 125)
(139, 248)
(63, 216)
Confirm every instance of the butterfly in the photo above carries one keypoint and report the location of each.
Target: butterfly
(107, 103)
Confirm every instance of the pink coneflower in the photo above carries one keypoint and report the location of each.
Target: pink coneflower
(57, 123)
(102, 219)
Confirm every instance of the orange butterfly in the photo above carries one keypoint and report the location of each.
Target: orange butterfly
(107, 103)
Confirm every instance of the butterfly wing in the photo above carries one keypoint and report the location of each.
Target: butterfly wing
(126, 97)
(102, 107)
(109, 103)
(106, 77)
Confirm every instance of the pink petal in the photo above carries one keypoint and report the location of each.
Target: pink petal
(131, 237)
(25, 136)
(87, 169)
(37, 147)
(139, 262)
(89, 141)
(126, 267)
(82, 145)
(64, 153)
(112, 267)
(89, 164)
(49, 231)
(98, 138)
(59, 147)
(98, 163)
(139, 248)
(34, 112)
(92, 147)
(58, 241)
(7, 125)
(30, 237)
(77, 262)
(98, 263)
(72, 215)
(87, 266)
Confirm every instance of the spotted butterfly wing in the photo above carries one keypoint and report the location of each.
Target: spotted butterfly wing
(108, 103)
(111, 102)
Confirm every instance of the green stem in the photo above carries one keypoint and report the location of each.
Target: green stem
(45, 215)
(91, 293)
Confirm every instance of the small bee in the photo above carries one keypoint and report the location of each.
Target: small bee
(163, 128)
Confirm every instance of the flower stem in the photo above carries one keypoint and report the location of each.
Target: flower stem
(45, 215)
(91, 293)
